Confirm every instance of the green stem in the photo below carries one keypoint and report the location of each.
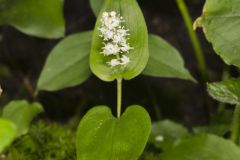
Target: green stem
(225, 75)
(194, 39)
(236, 124)
(119, 96)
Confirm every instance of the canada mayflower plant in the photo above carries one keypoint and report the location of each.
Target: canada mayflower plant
(119, 51)
(115, 37)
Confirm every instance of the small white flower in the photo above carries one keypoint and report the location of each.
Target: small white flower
(124, 60)
(111, 21)
(114, 62)
(105, 14)
(113, 13)
(110, 49)
(122, 32)
(106, 34)
(117, 38)
(125, 47)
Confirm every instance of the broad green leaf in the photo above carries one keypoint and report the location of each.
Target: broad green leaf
(138, 39)
(7, 133)
(165, 60)
(219, 125)
(221, 25)
(41, 18)
(227, 91)
(96, 6)
(103, 137)
(165, 134)
(220, 122)
(68, 63)
(204, 147)
(21, 114)
(218, 129)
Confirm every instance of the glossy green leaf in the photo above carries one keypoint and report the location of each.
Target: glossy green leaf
(227, 91)
(221, 25)
(165, 60)
(134, 21)
(96, 6)
(21, 114)
(204, 147)
(68, 63)
(7, 133)
(165, 134)
(103, 137)
(41, 18)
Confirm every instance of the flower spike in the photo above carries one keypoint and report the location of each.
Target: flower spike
(115, 38)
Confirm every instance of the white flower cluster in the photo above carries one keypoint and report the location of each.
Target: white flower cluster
(115, 38)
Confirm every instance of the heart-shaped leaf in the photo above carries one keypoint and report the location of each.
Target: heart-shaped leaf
(165, 134)
(204, 147)
(138, 40)
(165, 60)
(101, 136)
(7, 133)
(42, 18)
(96, 6)
(21, 114)
(68, 63)
(227, 91)
(220, 23)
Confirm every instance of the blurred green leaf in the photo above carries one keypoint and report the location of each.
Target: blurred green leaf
(227, 91)
(68, 63)
(217, 129)
(220, 23)
(101, 136)
(219, 125)
(96, 6)
(41, 18)
(165, 134)
(21, 114)
(138, 39)
(165, 60)
(220, 122)
(7, 133)
(203, 147)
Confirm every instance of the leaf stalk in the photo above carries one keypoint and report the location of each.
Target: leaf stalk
(119, 96)
(236, 124)
(202, 66)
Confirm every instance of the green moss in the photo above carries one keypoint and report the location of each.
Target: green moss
(45, 142)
